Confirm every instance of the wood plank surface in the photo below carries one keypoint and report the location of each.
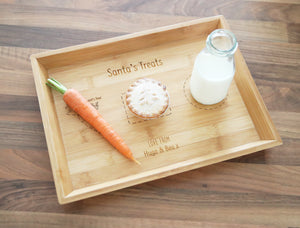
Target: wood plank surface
(15, 219)
(258, 190)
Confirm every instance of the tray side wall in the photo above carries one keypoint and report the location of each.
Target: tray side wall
(52, 131)
(252, 98)
(131, 42)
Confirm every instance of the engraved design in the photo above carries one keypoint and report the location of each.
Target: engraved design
(192, 101)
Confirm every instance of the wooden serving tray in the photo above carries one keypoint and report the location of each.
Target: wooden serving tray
(188, 136)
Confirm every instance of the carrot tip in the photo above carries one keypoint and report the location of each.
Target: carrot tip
(136, 161)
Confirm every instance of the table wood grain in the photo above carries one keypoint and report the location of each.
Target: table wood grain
(258, 190)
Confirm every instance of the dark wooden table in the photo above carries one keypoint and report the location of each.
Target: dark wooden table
(259, 190)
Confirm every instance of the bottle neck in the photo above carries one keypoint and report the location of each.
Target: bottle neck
(222, 43)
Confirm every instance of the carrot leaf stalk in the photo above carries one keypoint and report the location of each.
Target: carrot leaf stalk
(83, 108)
(54, 84)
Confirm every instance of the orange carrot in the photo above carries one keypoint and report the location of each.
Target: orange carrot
(81, 106)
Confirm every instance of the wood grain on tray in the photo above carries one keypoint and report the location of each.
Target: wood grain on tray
(257, 190)
(189, 136)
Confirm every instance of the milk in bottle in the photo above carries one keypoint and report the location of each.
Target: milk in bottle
(214, 68)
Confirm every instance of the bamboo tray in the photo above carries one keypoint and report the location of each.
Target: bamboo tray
(188, 136)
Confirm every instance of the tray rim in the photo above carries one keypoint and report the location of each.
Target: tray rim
(72, 48)
(65, 192)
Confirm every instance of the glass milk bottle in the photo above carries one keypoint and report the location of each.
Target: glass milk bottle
(214, 68)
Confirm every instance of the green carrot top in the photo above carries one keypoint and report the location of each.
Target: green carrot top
(56, 85)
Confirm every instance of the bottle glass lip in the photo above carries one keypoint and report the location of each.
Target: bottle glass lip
(227, 48)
